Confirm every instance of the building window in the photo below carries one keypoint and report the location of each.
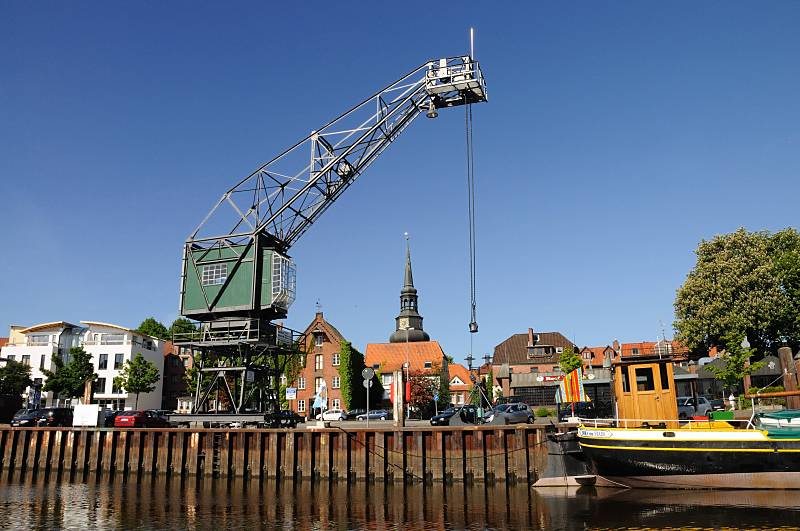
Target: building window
(112, 339)
(428, 364)
(335, 382)
(118, 361)
(635, 351)
(103, 363)
(11, 357)
(215, 274)
(318, 383)
(301, 383)
(335, 360)
(38, 340)
(336, 403)
(318, 339)
(115, 388)
(41, 362)
(387, 379)
(301, 406)
(26, 360)
(318, 362)
(100, 385)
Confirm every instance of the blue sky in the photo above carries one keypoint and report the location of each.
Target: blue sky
(617, 136)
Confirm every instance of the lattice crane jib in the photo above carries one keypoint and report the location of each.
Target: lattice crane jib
(273, 206)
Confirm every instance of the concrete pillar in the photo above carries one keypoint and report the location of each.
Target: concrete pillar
(789, 376)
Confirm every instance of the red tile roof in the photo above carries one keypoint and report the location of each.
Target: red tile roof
(3, 341)
(456, 369)
(644, 348)
(392, 356)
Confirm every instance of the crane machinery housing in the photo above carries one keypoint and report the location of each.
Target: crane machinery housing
(237, 278)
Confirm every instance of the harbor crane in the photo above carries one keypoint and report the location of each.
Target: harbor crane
(237, 276)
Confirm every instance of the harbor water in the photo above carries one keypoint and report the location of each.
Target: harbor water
(175, 504)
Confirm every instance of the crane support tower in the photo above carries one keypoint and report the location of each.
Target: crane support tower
(237, 276)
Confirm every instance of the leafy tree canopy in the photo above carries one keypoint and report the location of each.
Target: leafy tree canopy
(151, 327)
(68, 379)
(743, 283)
(180, 325)
(15, 377)
(138, 376)
(569, 360)
(354, 394)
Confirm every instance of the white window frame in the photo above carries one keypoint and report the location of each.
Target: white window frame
(335, 360)
(301, 383)
(319, 362)
(335, 382)
(318, 339)
(214, 274)
(336, 403)
(301, 406)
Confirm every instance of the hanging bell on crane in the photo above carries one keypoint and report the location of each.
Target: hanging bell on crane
(473, 327)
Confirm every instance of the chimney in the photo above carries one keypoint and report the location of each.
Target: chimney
(615, 346)
(530, 337)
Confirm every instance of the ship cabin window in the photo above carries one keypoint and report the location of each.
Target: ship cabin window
(644, 379)
(664, 377)
(626, 385)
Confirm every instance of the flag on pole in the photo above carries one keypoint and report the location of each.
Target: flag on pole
(321, 398)
(571, 388)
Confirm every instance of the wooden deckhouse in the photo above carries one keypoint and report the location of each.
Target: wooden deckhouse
(644, 389)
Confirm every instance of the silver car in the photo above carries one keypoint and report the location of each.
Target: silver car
(512, 413)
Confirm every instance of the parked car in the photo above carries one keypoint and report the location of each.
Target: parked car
(283, 419)
(331, 414)
(25, 418)
(443, 418)
(353, 413)
(140, 419)
(512, 413)
(687, 407)
(107, 417)
(55, 416)
(378, 414)
(717, 404)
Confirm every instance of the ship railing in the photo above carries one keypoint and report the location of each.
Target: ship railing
(660, 423)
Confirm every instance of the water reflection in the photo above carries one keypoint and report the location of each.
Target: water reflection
(175, 504)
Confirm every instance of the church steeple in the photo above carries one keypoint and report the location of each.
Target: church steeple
(408, 324)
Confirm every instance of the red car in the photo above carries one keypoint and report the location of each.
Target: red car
(140, 419)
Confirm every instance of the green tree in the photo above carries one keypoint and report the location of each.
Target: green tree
(15, 377)
(569, 360)
(151, 327)
(733, 366)
(68, 379)
(490, 385)
(180, 325)
(743, 282)
(354, 394)
(138, 376)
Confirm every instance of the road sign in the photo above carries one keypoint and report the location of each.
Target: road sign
(367, 383)
(291, 393)
(436, 396)
(368, 373)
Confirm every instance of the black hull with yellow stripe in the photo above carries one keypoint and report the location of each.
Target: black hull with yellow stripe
(692, 457)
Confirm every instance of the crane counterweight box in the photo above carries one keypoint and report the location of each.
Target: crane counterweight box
(235, 280)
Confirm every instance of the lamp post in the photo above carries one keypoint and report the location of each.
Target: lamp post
(745, 343)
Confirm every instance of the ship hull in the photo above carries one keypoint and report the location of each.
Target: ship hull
(692, 458)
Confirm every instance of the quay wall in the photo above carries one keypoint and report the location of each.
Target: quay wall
(488, 454)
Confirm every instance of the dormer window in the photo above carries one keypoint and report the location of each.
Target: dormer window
(318, 339)
(428, 364)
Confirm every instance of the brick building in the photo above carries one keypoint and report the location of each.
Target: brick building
(321, 368)
(177, 361)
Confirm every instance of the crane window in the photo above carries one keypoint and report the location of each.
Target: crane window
(215, 274)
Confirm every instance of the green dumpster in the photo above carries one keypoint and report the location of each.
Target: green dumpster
(722, 415)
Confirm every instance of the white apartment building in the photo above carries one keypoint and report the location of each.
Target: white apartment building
(110, 346)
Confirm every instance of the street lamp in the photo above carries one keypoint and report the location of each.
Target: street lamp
(745, 343)
(469, 359)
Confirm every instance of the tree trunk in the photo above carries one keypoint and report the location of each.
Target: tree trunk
(137, 401)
